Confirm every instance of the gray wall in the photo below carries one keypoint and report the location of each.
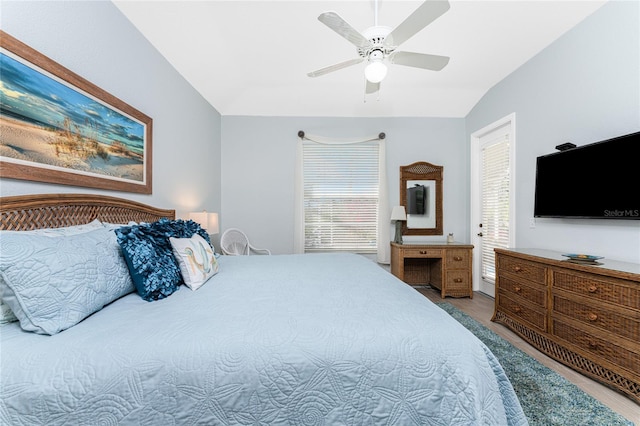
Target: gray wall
(259, 160)
(94, 40)
(583, 88)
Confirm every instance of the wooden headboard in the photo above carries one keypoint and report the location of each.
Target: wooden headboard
(26, 212)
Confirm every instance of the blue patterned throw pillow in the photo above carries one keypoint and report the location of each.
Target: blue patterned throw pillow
(147, 250)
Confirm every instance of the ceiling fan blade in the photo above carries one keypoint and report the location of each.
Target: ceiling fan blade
(339, 25)
(371, 88)
(428, 12)
(419, 60)
(335, 67)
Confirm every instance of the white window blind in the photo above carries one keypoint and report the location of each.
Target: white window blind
(341, 197)
(495, 202)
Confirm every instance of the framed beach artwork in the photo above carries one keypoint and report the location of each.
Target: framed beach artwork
(57, 127)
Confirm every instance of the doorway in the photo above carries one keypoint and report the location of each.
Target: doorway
(492, 197)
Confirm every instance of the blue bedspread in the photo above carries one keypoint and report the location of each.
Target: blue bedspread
(314, 339)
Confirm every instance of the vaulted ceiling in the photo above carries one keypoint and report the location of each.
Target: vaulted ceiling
(252, 57)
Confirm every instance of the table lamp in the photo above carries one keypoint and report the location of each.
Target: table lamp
(398, 214)
(208, 221)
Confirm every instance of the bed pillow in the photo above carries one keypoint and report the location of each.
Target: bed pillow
(149, 256)
(6, 315)
(196, 260)
(109, 225)
(52, 284)
(61, 232)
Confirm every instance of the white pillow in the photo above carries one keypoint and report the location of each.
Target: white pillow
(61, 232)
(196, 260)
(117, 225)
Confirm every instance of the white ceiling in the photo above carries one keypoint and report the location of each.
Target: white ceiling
(252, 57)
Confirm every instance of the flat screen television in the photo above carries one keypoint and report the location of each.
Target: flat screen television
(600, 180)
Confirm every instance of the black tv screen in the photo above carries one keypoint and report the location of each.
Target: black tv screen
(600, 180)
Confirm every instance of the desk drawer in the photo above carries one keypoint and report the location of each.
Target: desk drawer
(421, 252)
(458, 284)
(458, 259)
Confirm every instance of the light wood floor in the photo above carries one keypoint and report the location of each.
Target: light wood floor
(481, 309)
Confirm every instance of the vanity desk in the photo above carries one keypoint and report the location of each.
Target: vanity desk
(444, 266)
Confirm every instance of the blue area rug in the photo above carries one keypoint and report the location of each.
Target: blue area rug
(546, 397)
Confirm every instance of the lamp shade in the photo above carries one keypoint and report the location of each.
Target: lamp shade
(398, 213)
(208, 221)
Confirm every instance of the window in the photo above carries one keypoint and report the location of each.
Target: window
(495, 202)
(341, 196)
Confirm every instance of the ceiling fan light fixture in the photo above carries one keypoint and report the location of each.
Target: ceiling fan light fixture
(377, 43)
(375, 72)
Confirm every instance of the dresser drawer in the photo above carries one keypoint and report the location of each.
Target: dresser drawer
(458, 259)
(600, 289)
(598, 316)
(522, 268)
(519, 311)
(534, 294)
(608, 349)
(421, 252)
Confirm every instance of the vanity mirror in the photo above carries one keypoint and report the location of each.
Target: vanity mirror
(421, 196)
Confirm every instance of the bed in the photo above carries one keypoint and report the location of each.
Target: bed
(308, 339)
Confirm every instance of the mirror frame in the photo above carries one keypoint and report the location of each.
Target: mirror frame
(422, 170)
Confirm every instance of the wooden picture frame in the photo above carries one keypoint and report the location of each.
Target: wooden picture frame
(57, 127)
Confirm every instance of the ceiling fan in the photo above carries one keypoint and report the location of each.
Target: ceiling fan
(378, 44)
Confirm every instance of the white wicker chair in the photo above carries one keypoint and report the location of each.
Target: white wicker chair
(234, 242)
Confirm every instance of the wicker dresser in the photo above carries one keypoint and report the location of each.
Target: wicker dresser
(445, 266)
(587, 317)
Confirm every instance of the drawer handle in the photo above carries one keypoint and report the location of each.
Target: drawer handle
(457, 258)
(517, 269)
(423, 252)
(517, 289)
(593, 317)
(457, 280)
(592, 288)
(517, 309)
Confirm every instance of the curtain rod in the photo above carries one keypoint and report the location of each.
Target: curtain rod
(301, 135)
